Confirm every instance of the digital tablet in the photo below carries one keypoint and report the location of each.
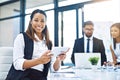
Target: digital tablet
(58, 50)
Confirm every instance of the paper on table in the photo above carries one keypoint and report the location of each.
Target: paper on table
(58, 50)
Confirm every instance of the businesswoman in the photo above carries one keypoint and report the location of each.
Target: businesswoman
(31, 52)
(115, 47)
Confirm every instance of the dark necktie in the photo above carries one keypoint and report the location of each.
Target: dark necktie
(88, 41)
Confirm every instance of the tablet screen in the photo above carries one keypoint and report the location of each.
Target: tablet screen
(58, 50)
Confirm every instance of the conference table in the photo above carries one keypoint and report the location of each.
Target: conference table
(72, 73)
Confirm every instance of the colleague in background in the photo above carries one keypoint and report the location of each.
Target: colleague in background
(115, 46)
(31, 52)
(88, 43)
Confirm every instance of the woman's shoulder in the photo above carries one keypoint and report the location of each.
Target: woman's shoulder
(19, 36)
(19, 39)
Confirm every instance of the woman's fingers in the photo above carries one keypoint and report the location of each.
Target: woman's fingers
(46, 57)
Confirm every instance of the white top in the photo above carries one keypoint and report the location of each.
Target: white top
(90, 44)
(117, 51)
(18, 52)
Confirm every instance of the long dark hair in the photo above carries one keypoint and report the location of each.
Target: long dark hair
(30, 31)
(114, 40)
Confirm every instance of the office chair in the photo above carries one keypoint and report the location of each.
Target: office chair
(6, 58)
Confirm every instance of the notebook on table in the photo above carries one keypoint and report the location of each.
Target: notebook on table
(82, 60)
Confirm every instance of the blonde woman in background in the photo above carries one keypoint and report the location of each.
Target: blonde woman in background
(115, 46)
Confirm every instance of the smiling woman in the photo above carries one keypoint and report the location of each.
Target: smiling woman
(34, 47)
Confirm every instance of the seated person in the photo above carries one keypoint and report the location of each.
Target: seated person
(31, 52)
(115, 46)
(95, 45)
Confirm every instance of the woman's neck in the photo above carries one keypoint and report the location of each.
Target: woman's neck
(40, 36)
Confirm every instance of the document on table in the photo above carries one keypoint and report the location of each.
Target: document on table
(58, 50)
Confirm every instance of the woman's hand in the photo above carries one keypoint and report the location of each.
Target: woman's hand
(46, 57)
(62, 56)
(59, 58)
(108, 63)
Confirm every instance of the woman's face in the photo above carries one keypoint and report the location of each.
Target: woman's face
(115, 32)
(38, 22)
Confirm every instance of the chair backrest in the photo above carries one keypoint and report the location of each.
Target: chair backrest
(6, 58)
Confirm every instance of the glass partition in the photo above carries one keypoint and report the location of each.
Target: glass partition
(8, 31)
(9, 10)
(9, 23)
(50, 24)
(67, 31)
(80, 22)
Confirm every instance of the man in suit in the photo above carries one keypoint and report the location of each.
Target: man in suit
(81, 45)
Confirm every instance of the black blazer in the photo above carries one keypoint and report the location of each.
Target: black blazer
(97, 47)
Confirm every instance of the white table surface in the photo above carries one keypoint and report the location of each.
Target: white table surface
(84, 74)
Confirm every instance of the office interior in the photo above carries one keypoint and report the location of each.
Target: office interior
(64, 19)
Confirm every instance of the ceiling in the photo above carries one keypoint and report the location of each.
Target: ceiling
(34, 3)
(31, 3)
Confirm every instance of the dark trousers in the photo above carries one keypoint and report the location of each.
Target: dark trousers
(35, 75)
